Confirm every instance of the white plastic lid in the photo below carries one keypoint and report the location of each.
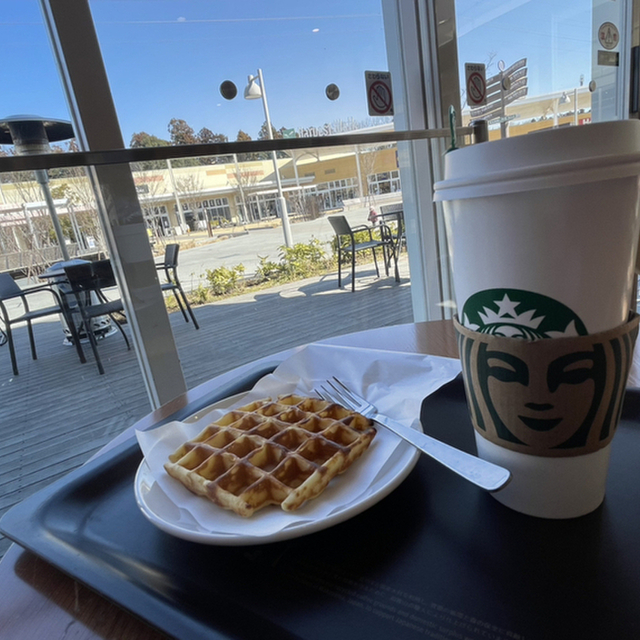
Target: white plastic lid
(548, 158)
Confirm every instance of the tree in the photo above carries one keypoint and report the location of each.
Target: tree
(189, 190)
(264, 132)
(64, 172)
(277, 134)
(181, 133)
(77, 190)
(245, 157)
(151, 185)
(206, 136)
(142, 140)
(37, 233)
(244, 179)
(306, 205)
(367, 158)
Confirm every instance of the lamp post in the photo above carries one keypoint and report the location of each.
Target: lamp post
(31, 135)
(254, 91)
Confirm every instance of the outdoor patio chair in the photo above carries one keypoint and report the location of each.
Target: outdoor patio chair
(170, 268)
(10, 290)
(87, 282)
(394, 213)
(344, 230)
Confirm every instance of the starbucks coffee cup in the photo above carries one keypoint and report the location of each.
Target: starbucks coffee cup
(547, 410)
(553, 213)
(543, 234)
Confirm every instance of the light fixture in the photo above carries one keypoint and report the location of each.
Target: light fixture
(253, 91)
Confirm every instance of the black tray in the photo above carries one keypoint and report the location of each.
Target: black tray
(437, 558)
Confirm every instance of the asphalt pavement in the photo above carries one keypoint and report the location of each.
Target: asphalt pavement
(248, 248)
(229, 251)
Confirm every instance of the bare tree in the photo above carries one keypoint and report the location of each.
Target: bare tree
(189, 190)
(305, 205)
(244, 179)
(30, 230)
(151, 185)
(367, 159)
(78, 191)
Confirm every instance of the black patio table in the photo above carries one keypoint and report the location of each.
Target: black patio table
(101, 326)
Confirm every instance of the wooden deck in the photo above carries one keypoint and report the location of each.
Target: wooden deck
(58, 412)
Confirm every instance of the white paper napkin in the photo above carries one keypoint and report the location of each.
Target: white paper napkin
(395, 382)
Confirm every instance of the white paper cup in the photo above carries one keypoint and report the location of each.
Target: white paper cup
(553, 488)
(554, 213)
(543, 234)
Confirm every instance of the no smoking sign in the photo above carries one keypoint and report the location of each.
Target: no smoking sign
(379, 94)
(476, 84)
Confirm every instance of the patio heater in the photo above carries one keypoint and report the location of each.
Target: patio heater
(31, 135)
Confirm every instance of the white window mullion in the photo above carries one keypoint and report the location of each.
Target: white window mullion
(420, 39)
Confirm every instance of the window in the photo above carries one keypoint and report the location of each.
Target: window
(333, 194)
(387, 182)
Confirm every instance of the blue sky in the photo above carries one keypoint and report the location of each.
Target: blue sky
(554, 36)
(166, 58)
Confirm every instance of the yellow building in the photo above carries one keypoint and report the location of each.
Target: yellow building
(313, 181)
(177, 199)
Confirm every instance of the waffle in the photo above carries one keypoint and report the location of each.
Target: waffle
(271, 452)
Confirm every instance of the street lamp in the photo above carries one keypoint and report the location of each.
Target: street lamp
(254, 91)
(30, 135)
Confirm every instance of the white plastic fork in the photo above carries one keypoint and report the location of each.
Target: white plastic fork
(483, 474)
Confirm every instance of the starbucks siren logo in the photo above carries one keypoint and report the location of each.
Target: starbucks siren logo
(514, 313)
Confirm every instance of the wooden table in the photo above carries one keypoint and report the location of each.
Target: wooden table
(38, 601)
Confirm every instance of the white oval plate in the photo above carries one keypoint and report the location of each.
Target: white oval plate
(167, 516)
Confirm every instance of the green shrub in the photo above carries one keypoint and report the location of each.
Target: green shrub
(303, 260)
(267, 270)
(300, 261)
(223, 280)
(200, 295)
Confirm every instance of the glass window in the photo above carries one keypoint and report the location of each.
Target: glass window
(166, 62)
(546, 64)
(178, 72)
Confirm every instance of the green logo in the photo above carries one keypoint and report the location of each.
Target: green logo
(514, 313)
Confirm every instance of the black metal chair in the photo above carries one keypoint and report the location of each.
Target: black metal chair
(343, 230)
(395, 213)
(10, 290)
(170, 268)
(85, 280)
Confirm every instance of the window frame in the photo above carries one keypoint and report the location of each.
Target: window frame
(103, 153)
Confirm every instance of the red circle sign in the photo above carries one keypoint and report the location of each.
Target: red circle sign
(476, 89)
(380, 97)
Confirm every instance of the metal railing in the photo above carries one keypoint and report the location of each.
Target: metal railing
(36, 260)
(478, 130)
